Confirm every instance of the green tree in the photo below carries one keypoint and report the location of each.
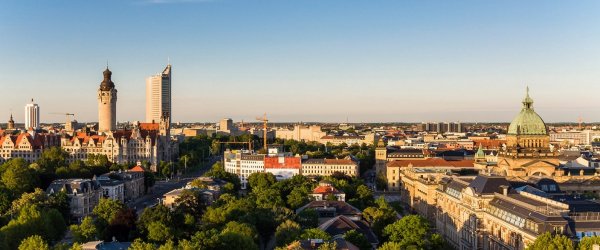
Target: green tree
(107, 209)
(379, 217)
(149, 180)
(215, 148)
(5, 200)
(139, 244)
(32, 220)
(169, 245)
(267, 197)
(37, 197)
(315, 233)
(159, 232)
(261, 180)
(218, 171)
(358, 239)
(390, 245)
(308, 218)
(411, 230)
(587, 243)
(18, 177)
(230, 240)
(548, 241)
(34, 242)
(189, 201)
(84, 232)
(160, 214)
(52, 158)
(297, 198)
(287, 232)
(241, 228)
(204, 239)
(121, 225)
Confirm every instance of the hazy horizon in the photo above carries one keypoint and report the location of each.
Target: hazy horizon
(321, 61)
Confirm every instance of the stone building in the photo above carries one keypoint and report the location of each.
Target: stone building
(26, 145)
(488, 212)
(84, 195)
(150, 142)
(326, 167)
(107, 103)
(527, 151)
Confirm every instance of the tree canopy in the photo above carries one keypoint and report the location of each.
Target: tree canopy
(547, 241)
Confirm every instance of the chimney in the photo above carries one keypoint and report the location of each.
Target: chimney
(504, 189)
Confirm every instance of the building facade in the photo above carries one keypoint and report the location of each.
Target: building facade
(27, 145)
(301, 133)
(84, 195)
(327, 167)
(243, 164)
(158, 95)
(150, 142)
(283, 167)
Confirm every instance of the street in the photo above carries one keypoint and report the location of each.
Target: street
(162, 187)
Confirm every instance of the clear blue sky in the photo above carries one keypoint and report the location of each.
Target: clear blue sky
(305, 60)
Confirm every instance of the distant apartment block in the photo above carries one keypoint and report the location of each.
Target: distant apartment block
(442, 127)
(349, 140)
(300, 133)
(585, 137)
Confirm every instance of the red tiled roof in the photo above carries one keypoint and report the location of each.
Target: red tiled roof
(431, 162)
(137, 168)
(325, 190)
(149, 126)
(288, 162)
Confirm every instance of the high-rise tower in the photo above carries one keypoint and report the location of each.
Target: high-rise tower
(158, 96)
(32, 116)
(107, 104)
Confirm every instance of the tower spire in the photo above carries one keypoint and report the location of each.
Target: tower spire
(527, 102)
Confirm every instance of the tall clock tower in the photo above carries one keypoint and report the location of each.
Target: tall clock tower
(107, 104)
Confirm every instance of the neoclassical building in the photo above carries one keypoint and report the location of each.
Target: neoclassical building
(149, 142)
(527, 151)
(27, 145)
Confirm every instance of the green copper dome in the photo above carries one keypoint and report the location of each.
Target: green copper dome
(527, 122)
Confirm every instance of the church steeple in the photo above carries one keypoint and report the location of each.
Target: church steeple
(11, 123)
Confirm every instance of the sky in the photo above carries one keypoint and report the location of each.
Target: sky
(305, 60)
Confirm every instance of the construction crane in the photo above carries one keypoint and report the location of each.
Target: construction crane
(265, 121)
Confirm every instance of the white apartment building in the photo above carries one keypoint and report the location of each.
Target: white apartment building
(32, 116)
(158, 95)
(585, 137)
(243, 164)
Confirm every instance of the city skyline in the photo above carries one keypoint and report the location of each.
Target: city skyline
(387, 62)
